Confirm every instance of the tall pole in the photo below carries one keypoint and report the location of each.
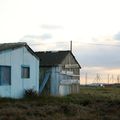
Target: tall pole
(108, 78)
(71, 45)
(118, 78)
(86, 78)
(113, 79)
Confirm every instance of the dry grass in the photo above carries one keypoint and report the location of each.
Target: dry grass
(90, 104)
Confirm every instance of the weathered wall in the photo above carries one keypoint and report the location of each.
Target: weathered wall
(16, 58)
(69, 60)
(56, 76)
(42, 73)
(55, 80)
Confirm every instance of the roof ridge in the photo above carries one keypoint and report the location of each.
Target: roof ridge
(53, 51)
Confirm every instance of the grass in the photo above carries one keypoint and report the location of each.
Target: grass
(90, 104)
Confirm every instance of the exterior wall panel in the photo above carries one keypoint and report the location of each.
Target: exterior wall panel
(16, 58)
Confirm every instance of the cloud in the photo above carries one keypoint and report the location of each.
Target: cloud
(33, 38)
(98, 55)
(46, 36)
(53, 27)
(88, 55)
(117, 36)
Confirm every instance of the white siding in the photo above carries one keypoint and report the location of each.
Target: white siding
(16, 58)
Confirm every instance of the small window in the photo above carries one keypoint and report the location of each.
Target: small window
(25, 72)
(5, 75)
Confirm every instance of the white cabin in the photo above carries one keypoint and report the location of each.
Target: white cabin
(19, 70)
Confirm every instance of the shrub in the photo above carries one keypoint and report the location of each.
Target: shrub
(30, 93)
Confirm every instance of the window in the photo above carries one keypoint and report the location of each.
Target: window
(25, 72)
(5, 75)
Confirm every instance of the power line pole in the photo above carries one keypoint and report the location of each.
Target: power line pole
(108, 78)
(86, 78)
(98, 78)
(118, 78)
(112, 77)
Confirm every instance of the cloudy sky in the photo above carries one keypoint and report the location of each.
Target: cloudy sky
(92, 25)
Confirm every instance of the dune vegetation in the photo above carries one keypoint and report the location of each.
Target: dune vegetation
(92, 103)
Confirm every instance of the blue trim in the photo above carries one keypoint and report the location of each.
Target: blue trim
(46, 78)
(6, 66)
(25, 66)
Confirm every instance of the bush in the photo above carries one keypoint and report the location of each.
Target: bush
(30, 93)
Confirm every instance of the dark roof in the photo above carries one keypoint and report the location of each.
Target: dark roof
(8, 46)
(53, 58)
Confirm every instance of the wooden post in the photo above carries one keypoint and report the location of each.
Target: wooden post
(71, 45)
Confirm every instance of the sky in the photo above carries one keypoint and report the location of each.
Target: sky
(92, 25)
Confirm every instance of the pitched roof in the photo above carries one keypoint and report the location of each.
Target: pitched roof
(8, 46)
(52, 58)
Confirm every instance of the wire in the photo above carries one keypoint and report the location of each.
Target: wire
(79, 43)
